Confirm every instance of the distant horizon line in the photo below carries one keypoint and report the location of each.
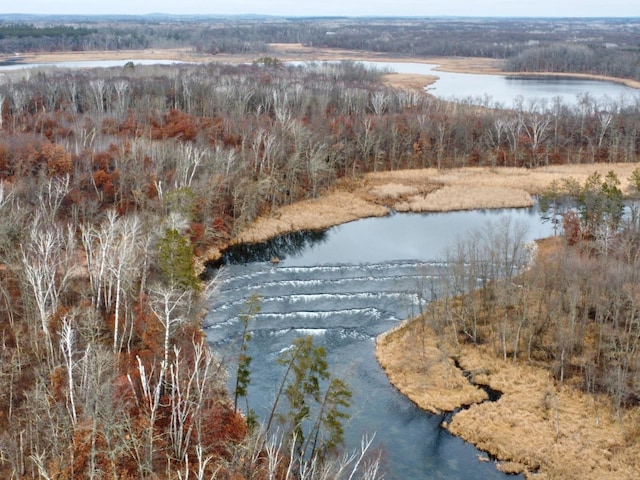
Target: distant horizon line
(266, 15)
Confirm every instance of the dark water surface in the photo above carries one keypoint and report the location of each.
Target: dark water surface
(345, 286)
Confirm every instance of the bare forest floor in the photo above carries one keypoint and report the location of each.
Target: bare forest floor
(548, 431)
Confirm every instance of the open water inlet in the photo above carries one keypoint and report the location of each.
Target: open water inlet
(345, 306)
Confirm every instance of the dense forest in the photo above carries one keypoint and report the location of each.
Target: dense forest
(113, 179)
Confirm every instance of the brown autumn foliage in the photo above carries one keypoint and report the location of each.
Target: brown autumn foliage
(175, 124)
(243, 141)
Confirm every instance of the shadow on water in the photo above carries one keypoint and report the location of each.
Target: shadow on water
(278, 248)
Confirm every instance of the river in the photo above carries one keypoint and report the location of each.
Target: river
(345, 286)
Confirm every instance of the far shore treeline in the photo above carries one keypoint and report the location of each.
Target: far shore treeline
(596, 46)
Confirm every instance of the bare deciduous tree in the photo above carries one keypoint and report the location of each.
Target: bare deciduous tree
(48, 263)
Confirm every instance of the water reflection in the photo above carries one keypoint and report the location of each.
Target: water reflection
(279, 248)
(505, 90)
(345, 286)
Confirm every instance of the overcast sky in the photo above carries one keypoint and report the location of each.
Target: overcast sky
(509, 8)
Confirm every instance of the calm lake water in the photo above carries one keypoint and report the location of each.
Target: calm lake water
(493, 90)
(505, 90)
(345, 286)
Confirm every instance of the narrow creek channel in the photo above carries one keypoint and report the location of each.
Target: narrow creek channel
(346, 286)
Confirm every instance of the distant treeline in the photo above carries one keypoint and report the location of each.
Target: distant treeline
(597, 46)
(599, 60)
(21, 37)
(22, 30)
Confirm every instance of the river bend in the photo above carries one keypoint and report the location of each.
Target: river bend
(313, 290)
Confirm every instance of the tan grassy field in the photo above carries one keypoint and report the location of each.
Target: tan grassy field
(179, 54)
(426, 190)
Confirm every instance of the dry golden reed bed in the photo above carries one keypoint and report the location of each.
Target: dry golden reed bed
(549, 432)
(426, 190)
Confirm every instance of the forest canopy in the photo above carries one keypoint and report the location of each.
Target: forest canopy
(22, 30)
(112, 180)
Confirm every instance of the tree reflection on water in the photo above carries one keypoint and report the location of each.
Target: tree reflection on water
(279, 248)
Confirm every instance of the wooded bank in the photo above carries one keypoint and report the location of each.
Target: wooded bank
(112, 180)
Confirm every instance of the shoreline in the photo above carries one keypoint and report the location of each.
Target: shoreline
(518, 431)
(526, 446)
(298, 52)
(421, 191)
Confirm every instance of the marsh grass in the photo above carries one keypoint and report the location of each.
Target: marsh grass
(425, 373)
(332, 209)
(559, 432)
(538, 425)
(460, 197)
(393, 190)
(425, 190)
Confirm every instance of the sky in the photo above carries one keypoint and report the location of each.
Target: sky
(482, 8)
